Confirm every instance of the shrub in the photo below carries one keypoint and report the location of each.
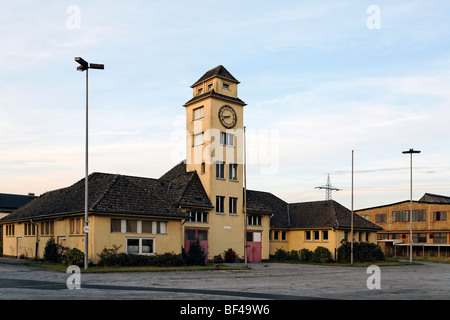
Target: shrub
(280, 255)
(218, 259)
(109, 257)
(73, 256)
(53, 252)
(362, 252)
(321, 255)
(293, 255)
(305, 255)
(230, 256)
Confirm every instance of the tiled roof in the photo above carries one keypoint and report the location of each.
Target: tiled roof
(327, 213)
(316, 214)
(218, 71)
(266, 202)
(181, 188)
(212, 93)
(114, 193)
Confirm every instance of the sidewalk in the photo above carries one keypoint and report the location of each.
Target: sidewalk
(13, 260)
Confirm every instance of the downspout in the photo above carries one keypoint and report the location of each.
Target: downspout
(37, 239)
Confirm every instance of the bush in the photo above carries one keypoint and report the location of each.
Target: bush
(321, 255)
(280, 255)
(73, 256)
(305, 255)
(53, 252)
(218, 259)
(230, 256)
(293, 255)
(111, 257)
(362, 252)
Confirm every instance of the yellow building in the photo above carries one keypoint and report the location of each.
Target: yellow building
(430, 226)
(295, 226)
(201, 198)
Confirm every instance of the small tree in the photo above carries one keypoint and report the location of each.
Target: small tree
(196, 255)
(53, 251)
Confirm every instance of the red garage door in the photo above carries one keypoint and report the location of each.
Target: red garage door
(192, 235)
(254, 246)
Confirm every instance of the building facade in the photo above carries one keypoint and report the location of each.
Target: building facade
(201, 198)
(430, 226)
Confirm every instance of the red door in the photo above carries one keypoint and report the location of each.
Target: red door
(254, 246)
(192, 235)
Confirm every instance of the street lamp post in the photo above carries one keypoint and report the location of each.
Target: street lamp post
(410, 151)
(85, 66)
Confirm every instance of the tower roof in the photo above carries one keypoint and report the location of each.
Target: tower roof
(218, 71)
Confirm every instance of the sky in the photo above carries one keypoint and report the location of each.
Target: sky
(324, 81)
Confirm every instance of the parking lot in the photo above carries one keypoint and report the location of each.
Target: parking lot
(272, 281)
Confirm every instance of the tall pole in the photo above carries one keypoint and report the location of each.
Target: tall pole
(410, 151)
(86, 189)
(245, 202)
(85, 66)
(351, 245)
(410, 209)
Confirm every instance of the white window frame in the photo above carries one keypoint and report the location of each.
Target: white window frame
(316, 232)
(140, 245)
(232, 170)
(198, 216)
(226, 139)
(220, 205)
(199, 113)
(232, 205)
(220, 170)
(162, 226)
(198, 139)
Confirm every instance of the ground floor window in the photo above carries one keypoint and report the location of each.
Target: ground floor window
(420, 238)
(140, 245)
(440, 237)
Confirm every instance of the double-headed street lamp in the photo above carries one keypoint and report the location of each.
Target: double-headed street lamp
(85, 66)
(410, 151)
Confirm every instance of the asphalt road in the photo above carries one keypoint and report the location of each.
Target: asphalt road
(265, 282)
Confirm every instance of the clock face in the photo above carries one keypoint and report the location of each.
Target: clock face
(227, 116)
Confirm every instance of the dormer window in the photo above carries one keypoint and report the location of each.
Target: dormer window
(200, 91)
(226, 86)
(210, 87)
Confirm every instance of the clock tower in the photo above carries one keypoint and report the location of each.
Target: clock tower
(214, 148)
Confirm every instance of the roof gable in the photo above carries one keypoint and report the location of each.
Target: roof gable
(218, 71)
